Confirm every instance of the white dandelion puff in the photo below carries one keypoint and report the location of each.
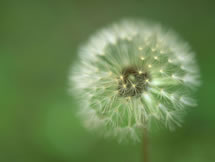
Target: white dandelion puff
(131, 73)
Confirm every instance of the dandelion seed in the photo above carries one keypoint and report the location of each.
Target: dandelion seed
(140, 48)
(155, 57)
(146, 80)
(120, 93)
(173, 76)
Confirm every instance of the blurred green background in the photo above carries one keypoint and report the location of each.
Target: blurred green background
(38, 44)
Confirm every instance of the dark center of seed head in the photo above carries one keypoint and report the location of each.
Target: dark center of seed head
(132, 82)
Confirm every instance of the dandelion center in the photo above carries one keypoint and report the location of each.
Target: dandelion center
(132, 82)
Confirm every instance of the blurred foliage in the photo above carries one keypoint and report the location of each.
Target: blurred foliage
(38, 44)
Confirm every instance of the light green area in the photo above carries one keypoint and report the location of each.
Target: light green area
(38, 44)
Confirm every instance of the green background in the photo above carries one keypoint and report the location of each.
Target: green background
(38, 44)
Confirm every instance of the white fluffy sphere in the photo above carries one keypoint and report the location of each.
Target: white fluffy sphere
(132, 73)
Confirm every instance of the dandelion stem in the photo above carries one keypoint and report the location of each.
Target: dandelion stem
(145, 146)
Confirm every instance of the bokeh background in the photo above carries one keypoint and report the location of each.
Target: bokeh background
(38, 44)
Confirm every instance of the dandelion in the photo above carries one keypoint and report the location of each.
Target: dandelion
(132, 74)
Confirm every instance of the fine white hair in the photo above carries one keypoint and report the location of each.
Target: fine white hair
(165, 75)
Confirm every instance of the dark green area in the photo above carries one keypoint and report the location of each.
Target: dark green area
(38, 44)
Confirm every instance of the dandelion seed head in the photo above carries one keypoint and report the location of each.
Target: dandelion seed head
(132, 73)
